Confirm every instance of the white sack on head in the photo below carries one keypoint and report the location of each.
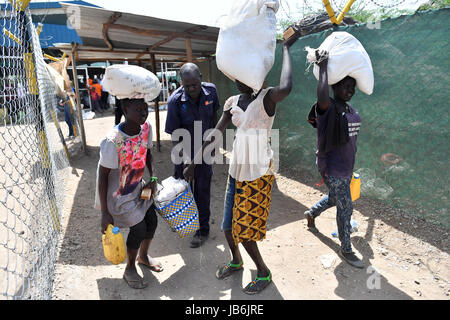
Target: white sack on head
(247, 39)
(346, 57)
(131, 82)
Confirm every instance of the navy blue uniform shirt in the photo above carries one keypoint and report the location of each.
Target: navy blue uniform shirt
(182, 111)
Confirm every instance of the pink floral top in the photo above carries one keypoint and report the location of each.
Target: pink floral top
(126, 157)
(132, 158)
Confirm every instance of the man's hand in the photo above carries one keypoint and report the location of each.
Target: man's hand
(188, 172)
(106, 220)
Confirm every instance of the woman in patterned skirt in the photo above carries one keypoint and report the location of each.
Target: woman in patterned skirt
(248, 194)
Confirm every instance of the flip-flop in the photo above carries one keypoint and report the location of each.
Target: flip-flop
(226, 270)
(151, 267)
(135, 284)
(258, 285)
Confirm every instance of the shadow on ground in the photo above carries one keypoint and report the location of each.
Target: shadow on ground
(192, 271)
(401, 220)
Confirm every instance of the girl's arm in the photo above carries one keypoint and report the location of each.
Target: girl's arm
(281, 91)
(323, 96)
(103, 175)
(148, 163)
(223, 123)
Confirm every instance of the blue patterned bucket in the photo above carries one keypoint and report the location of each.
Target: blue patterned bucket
(181, 214)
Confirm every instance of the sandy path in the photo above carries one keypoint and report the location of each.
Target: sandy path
(410, 256)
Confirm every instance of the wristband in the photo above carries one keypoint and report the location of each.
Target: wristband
(153, 179)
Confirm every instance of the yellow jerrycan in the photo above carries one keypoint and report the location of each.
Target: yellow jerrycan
(113, 245)
(355, 186)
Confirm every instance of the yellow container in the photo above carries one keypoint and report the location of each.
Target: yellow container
(113, 245)
(355, 187)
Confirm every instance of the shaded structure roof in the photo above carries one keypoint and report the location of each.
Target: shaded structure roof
(112, 35)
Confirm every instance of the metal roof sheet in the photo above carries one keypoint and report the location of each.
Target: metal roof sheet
(137, 32)
(56, 33)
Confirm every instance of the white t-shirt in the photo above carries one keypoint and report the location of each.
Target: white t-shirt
(252, 154)
(128, 209)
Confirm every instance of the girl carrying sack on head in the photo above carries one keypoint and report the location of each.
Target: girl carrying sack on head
(250, 181)
(124, 155)
(345, 66)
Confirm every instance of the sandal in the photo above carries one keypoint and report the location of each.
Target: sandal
(226, 270)
(135, 284)
(258, 285)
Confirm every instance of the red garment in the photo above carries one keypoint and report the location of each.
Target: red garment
(94, 95)
(98, 88)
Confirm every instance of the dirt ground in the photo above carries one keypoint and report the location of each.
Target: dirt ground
(406, 258)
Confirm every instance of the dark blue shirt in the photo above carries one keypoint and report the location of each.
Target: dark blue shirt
(182, 111)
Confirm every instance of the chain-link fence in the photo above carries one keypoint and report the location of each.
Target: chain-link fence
(34, 161)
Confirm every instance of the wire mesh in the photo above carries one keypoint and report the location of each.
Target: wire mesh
(34, 162)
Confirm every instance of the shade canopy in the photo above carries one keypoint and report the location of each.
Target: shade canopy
(112, 35)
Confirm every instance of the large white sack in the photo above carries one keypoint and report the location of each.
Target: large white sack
(132, 82)
(347, 57)
(246, 43)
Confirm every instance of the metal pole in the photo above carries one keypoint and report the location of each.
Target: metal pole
(77, 92)
(167, 82)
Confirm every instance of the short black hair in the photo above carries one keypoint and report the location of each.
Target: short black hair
(191, 69)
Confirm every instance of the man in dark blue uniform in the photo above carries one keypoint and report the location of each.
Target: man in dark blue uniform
(194, 101)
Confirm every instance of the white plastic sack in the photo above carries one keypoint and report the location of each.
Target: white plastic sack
(132, 82)
(170, 189)
(246, 43)
(347, 57)
(88, 115)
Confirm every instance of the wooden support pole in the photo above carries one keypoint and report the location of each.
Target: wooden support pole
(77, 92)
(188, 50)
(158, 136)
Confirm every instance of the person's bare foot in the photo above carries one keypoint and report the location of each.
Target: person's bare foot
(133, 279)
(311, 224)
(150, 263)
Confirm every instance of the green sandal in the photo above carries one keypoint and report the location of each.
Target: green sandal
(226, 270)
(258, 285)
